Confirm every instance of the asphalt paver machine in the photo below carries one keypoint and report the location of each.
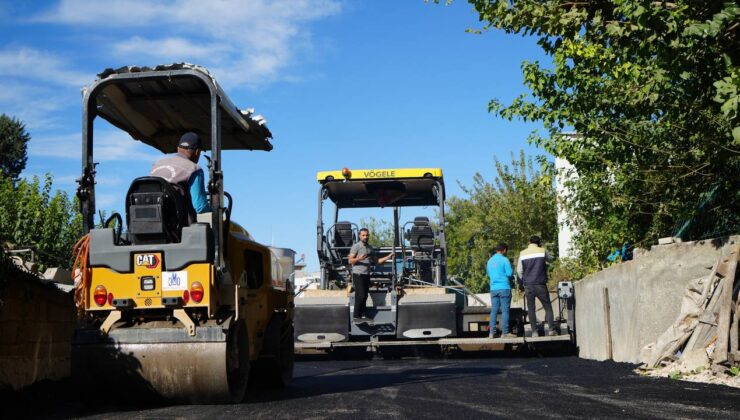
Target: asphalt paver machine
(190, 310)
(408, 298)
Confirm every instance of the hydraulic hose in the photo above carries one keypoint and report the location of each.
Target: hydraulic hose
(81, 272)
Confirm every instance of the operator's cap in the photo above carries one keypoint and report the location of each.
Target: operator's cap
(190, 141)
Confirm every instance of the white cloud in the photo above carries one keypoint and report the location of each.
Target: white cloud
(32, 64)
(169, 49)
(35, 85)
(243, 42)
(37, 106)
(65, 146)
(115, 12)
(109, 146)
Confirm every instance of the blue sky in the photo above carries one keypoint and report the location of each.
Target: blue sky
(355, 83)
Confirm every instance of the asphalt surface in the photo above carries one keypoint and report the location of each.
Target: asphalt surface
(499, 387)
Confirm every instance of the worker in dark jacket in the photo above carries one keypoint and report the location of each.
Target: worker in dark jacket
(532, 271)
(182, 169)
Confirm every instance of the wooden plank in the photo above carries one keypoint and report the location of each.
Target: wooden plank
(706, 299)
(734, 329)
(607, 324)
(705, 331)
(705, 295)
(720, 354)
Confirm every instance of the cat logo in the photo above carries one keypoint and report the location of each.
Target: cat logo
(150, 261)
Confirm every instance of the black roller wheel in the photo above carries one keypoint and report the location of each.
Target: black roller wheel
(275, 370)
(237, 361)
(285, 359)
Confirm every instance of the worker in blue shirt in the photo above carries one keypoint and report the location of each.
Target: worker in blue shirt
(500, 274)
(182, 169)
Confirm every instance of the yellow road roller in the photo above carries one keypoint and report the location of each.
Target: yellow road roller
(186, 307)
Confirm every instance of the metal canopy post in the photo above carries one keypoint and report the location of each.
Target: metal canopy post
(320, 224)
(324, 280)
(442, 278)
(395, 245)
(217, 187)
(86, 187)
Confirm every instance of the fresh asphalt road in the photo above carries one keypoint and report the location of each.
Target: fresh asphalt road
(499, 387)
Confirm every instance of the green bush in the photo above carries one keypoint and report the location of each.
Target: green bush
(31, 216)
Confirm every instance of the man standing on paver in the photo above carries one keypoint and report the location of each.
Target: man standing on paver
(361, 257)
(532, 270)
(499, 272)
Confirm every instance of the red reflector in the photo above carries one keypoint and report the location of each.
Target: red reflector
(185, 297)
(110, 298)
(196, 291)
(100, 295)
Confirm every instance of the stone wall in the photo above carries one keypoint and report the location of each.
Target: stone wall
(36, 325)
(644, 297)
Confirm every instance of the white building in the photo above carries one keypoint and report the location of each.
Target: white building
(565, 171)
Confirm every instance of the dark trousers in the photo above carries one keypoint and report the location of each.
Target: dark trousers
(540, 292)
(362, 284)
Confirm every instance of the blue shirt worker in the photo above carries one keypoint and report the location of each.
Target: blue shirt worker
(182, 169)
(500, 273)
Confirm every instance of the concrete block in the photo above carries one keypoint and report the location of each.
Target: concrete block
(694, 359)
(669, 240)
(58, 275)
(665, 241)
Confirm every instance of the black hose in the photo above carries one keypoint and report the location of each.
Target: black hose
(119, 229)
(227, 224)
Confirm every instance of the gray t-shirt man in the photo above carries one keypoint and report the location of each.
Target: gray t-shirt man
(359, 249)
(362, 255)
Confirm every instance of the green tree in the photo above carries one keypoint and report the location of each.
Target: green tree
(13, 143)
(381, 231)
(519, 203)
(31, 216)
(651, 88)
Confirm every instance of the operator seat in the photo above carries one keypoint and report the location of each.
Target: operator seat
(421, 239)
(421, 236)
(343, 236)
(156, 211)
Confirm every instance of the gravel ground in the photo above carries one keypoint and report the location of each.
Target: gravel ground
(494, 387)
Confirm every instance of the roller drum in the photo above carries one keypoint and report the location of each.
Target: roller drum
(166, 362)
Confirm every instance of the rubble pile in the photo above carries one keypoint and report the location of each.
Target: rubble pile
(703, 344)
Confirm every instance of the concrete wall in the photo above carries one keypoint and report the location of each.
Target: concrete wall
(644, 297)
(36, 325)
